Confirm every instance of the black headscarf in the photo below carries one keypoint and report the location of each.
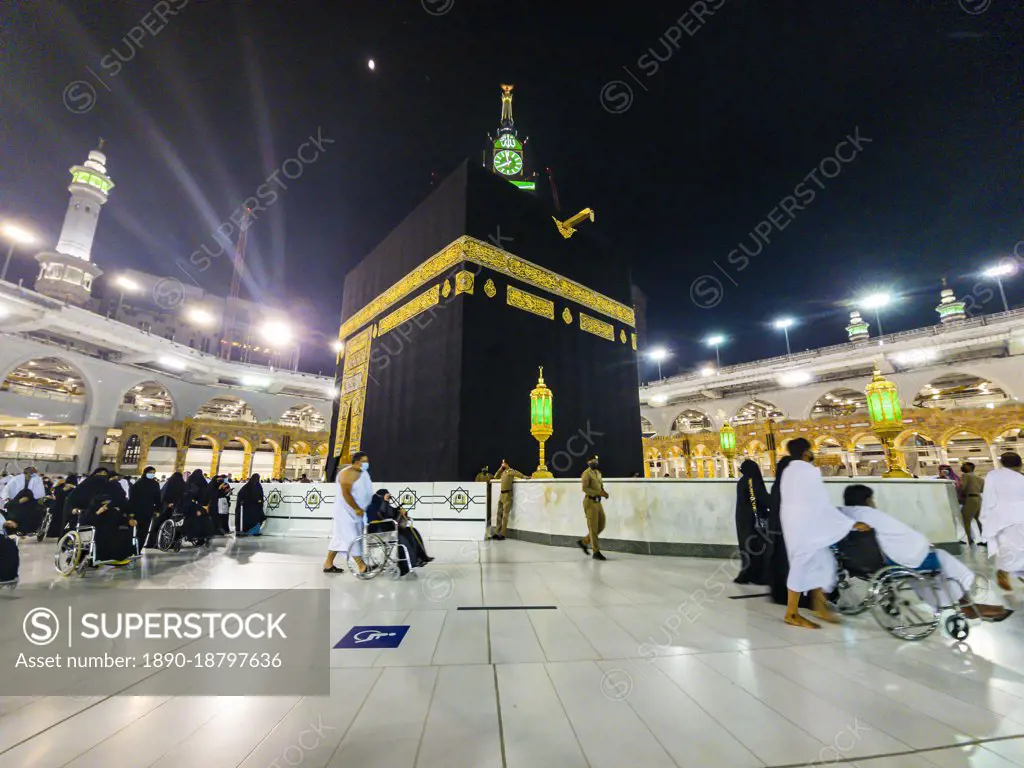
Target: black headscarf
(173, 491)
(197, 482)
(115, 491)
(379, 508)
(82, 496)
(251, 491)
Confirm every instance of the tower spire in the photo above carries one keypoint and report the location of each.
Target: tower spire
(506, 106)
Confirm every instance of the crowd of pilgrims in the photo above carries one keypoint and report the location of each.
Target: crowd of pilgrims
(121, 509)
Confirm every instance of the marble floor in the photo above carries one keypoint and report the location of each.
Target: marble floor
(637, 661)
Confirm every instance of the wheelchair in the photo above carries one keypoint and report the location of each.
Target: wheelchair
(76, 551)
(382, 550)
(893, 594)
(171, 534)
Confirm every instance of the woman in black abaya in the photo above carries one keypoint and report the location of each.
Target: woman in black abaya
(171, 497)
(752, 504)
(249, 514)
(198, 525)
(60, 497)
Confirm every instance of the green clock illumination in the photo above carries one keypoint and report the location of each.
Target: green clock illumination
(508, 162)
(508, 141)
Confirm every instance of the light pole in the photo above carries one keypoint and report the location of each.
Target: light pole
(658, 354)
(784, 324)
(125, 283)
(18, 236)
(876, 301)
(716, 341)
(999, 272)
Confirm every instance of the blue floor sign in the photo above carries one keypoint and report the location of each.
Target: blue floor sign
(373, 637)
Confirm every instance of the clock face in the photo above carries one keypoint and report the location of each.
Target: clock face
(508, 162)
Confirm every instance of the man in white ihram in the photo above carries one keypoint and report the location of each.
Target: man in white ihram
(355, 491)
(905, 546)
(1002, 518)
(811, 524)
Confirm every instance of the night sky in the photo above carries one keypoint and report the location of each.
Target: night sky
(749, 97)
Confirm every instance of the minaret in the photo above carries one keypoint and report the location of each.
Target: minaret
(857, 330)
(950, 310)
(67, 272)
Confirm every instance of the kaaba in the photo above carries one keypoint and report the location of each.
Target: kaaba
(446, 323)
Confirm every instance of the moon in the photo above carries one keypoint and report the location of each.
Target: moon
(372, 65)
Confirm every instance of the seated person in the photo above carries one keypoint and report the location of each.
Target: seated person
(25, 508)
(904, 546)
(198, 525)
(10, 558)
(113, 528)
(382, 507)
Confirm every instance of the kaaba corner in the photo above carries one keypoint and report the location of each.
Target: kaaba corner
(447, 321)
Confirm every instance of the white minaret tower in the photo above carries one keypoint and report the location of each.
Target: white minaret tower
(67, 273)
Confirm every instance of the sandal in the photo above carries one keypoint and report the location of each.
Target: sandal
(334, 569)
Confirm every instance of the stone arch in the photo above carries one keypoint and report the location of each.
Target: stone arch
(226, 407)
(756, 409)
(970, 383)
(837, 402)
(81, 387)
(305, 416)
(149, 392)
(691, 421)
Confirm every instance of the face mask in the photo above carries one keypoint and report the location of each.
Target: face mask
(592, 465)
(366, 466)
(150, 475)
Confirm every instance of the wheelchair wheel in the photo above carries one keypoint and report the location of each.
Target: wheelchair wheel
(165, 538)
(852, 597)
(957, 626)
(69, 553)
(897, 606)
(375, 556)
(44, 526)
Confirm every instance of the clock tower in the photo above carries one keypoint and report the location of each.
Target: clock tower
(508, 158)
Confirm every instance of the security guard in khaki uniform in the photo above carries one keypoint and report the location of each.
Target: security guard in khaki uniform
(483, 476)
(593, 492)
(506, 474)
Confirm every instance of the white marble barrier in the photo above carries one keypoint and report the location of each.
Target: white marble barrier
(441, 511)
(695, 517)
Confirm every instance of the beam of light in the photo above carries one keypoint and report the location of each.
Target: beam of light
(715, 341)
(658, 354)
(784, 322)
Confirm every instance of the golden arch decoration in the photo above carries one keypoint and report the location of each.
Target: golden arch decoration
(1002, 429)
(863, 437)
(959, 429)
(904, 436)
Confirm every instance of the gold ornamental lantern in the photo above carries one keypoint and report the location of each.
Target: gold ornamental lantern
(727, 439)
(540, 420)
(886, 419)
